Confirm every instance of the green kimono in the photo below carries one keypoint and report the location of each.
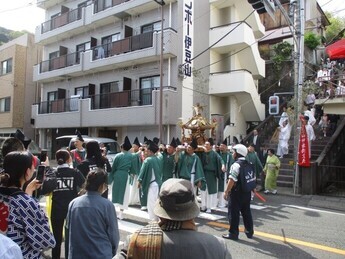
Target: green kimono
(151, 165)
(254, 159)
(272, 170)
(212, 164)
(119, 175)
(168, 166)
(190, 164)
(136, 165)
(228, 161)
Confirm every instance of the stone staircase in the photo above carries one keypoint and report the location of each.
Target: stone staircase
(286, 173)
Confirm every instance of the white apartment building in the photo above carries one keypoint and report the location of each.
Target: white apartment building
(100, 71)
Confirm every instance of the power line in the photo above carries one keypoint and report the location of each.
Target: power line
(236, 52)
(226, 34)
(17, 8)
(326, 3)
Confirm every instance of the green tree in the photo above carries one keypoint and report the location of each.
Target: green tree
(311, 40)
(15, 34)
(337, 25)
(283, 52)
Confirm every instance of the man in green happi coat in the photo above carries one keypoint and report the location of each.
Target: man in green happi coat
(253, 158)
(149, 179)
(214, 167)
(189, 166)
(168, 161)
(135, 169)
(119, 176)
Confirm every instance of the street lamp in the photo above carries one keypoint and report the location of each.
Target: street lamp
(161, 3)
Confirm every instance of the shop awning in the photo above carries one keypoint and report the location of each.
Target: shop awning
(336, 50)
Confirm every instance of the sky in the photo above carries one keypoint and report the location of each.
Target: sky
(336, 7)
(20, 15)
(24, 15)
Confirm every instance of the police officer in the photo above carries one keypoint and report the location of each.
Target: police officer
(239, 200)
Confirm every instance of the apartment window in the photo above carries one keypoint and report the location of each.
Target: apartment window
(81, 5)
(83, 91)
(6, 66)
(105, 93)
(54, 54)
(156, 26)
(81, 48)
(111, 87)
(147, 84)
(5, 104)
(52, 96)
(106, 43)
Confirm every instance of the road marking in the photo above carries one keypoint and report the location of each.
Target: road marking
(134, 212)
(285, 239)
(209, 216)
(316, 210)
(257, 207)
(128, 226)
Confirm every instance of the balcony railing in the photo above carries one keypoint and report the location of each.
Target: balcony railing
(141, 41)
(138, 97)
(60, 62)
(130, 98)
(101, 5)
(61, 20)
(60, 105)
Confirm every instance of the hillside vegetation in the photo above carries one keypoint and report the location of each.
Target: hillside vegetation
(7, 35)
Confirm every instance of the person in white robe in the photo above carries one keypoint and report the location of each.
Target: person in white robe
(312, 119)
(310, 133)
(284, 136)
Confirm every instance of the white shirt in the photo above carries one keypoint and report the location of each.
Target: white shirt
(9, 249)
(310, 99)
(312, 119)
(310, 132)
(254, 139)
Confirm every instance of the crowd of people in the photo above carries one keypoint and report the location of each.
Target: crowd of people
(331, 79)
(78, 208)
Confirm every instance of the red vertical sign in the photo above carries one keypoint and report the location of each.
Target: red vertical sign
(303, 147)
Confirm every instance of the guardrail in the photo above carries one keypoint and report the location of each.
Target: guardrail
(129, 98)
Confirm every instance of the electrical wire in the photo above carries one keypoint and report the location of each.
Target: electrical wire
(17, 8)
(236, 51)
(326, 3)
(226, 34)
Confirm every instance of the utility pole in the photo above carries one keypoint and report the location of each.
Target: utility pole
(296, 26)
(300, 18)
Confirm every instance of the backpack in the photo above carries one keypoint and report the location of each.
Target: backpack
(247, 176)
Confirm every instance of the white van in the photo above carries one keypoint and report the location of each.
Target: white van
(111, 146)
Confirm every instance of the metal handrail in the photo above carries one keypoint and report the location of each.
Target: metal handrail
(60, 62)
(61, 20)
(127, 98)
(99, 8)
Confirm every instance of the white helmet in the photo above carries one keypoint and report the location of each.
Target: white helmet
(240, 149)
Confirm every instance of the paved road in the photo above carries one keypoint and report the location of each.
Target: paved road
(285, 227)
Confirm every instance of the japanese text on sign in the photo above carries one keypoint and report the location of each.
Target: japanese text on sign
(188, 40)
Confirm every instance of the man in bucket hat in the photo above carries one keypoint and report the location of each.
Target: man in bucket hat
(175, 235)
